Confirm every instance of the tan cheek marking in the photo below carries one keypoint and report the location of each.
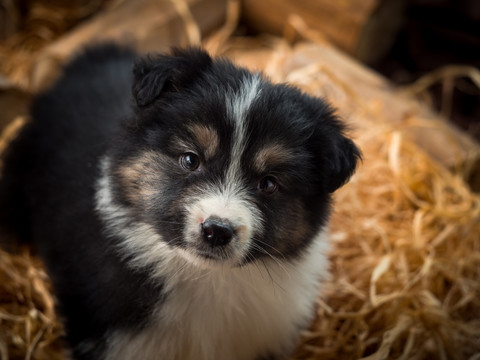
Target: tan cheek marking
(207, 138)
(271, 155)
(140, 174)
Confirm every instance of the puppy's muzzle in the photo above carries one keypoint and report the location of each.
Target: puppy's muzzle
(217, 232)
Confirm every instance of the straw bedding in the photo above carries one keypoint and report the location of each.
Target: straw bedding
(405, 258)
(406, 261)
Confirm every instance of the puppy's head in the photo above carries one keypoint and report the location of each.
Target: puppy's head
(225, 166)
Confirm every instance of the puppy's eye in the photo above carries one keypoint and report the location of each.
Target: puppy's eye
(268, 185)
(189, 161)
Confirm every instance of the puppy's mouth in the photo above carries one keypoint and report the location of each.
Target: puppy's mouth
(213, 254)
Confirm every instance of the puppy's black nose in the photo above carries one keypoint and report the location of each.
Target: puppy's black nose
(217, 233)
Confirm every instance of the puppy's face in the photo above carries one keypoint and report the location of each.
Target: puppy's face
(226, 167)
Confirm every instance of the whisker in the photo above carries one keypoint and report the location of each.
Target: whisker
(270, 246)
(169, 222)
(180, 269)
(204, 275)
(274, 283)
(255, 262)
(275, 259)
(251, 259)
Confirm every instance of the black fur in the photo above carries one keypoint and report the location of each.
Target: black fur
(100, 106)
(154, 74)
(48, 185)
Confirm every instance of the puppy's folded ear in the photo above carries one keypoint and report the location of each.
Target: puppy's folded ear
(153, 75)
(342, 162)
(336, 156)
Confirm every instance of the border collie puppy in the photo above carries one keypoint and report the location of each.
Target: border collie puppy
(180, 207)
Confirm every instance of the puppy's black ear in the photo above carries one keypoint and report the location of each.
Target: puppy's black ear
(154, 74)
(342, 162)
(335, 154)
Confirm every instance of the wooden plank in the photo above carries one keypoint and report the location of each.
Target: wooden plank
(364, 28)
(148, 25)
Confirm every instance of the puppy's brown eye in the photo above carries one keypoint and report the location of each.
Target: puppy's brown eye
(268, 185)
(189, 161)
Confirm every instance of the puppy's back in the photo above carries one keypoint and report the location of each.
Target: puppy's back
(69, 126)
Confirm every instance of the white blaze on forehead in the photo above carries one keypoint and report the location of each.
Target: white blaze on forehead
(238, 105)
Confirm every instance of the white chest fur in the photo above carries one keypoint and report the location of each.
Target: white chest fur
(231, 313)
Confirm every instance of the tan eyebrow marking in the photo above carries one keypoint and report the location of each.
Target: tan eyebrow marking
(207, 138)
(271, 155)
